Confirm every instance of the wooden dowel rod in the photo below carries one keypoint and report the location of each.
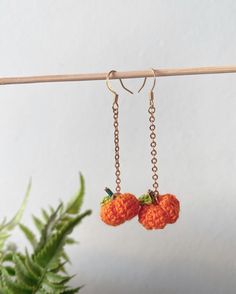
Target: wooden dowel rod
(117, 75)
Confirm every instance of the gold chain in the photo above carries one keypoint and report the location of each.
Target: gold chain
(115, 108)
(152, 128)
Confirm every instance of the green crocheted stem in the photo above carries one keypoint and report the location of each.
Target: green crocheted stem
(109, 192)
(109, 197)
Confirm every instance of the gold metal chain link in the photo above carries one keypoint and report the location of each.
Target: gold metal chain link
(115, 108)
(153, 144)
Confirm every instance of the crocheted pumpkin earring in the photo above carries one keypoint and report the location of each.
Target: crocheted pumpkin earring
(116, 208)
(156, 210)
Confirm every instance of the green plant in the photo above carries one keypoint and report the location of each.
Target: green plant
(6, 227)
(43, 271)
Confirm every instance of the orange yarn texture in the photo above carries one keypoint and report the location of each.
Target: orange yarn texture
(170, 204)
(160, 213)
(154, 212)
(152, 217)
(119, 208)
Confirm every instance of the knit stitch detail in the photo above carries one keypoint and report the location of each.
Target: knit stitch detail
(152, 217)
(121, 208)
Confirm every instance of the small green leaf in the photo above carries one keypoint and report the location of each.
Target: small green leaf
(38, 223)
(73, 291)
(106, 199)
(58, 267)
(22, 273)
(11, 270)
(33, 267)
(145, 199)
(71, 241)
(7, 256)
(65, 256)
(58, 279)
(12, 285)
(29, 235)
(45, 214)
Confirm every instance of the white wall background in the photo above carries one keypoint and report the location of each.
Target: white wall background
(52, 131)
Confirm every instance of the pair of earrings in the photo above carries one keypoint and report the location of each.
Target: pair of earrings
(154, 211)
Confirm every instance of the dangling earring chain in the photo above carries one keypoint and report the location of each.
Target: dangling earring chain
(152, 128)
(154, 211)
(117, 208)
(115, 108)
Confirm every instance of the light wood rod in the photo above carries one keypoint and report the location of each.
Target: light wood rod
(118, 75)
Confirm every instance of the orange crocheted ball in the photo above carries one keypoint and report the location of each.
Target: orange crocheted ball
(152, 216)
(170, 204)
(118, 208)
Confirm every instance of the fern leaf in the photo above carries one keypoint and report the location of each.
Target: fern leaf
(12, 286)
(22, 272)
(34, 269)
(6, 227)
(4, 291)
(45, 214)
(47, 229)
(16, 219)
(11, 270)
(58, 267)
(29, 235)
(42, 272)
(58, 279)
(51, 288)
(65, 256)
(72, 291)
(71, 241)
(38, 223)
(76, 202)
(54, 245)
(7, 256)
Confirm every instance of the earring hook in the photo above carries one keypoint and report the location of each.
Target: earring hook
(109, 84)
(143, 84)
(122, 83)
(145, 79)
(124, 87)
